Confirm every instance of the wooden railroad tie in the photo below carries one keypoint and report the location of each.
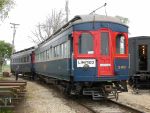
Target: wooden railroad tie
(11, 92)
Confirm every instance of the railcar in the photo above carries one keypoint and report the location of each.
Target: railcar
(139, 52)
(22, 62)
(88, 55)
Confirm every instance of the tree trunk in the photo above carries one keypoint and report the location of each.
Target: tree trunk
(1, 64)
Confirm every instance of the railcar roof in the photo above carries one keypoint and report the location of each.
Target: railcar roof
(100, 18)
(83, 19)
(24, 50)
(139, 37)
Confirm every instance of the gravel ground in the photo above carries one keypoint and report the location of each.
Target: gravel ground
(140, 101)
(48, 99)
(44, 99)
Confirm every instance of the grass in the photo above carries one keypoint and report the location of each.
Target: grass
(6, 110)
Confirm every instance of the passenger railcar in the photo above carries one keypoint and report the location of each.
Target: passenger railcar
(88, 55)
(22, 62)
(139, 51)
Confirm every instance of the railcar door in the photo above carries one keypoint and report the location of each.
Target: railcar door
(105, 60)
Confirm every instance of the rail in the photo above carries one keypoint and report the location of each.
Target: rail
(106, 105)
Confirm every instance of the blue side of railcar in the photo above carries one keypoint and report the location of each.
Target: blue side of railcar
(22, 61)
(59, 69)
(121, 67)
(90, 73)
(23, 68)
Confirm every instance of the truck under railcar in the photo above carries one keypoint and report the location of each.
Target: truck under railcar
(88, 55)
(139, 51)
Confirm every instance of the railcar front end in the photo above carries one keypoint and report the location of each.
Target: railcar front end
(100, 57)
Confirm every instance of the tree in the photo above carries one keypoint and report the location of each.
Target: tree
(5, 6)
(5, 52)
(53, 22)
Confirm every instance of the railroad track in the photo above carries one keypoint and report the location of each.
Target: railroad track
(106, 106)
(134, 110)
(102, 106)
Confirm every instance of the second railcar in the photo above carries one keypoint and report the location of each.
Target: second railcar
(22, 62)
(89, 55)
(139, 52)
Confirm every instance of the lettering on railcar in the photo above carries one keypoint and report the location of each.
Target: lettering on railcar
(89, 62)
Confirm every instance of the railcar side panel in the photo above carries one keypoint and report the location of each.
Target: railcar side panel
(23, 61)
(59, 69)
(139, 49)
(51, 63)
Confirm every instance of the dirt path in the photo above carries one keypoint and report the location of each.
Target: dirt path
(44, 99)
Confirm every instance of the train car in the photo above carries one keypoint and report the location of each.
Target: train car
(22, 62)
(88, 55)
(139, 52)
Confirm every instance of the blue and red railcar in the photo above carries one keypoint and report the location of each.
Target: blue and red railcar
(88, 55)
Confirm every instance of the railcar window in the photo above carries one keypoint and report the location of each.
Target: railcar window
(51, 53)
(86, 44)
(27, 58)
(36, 57)
(57, 49)
(65, 50)
(104, 43)
(68, 49)
(55, 52)
(143, 58)
(61, 50)
(47, 54)
(40, 56)
(120, 44)
(43, 56)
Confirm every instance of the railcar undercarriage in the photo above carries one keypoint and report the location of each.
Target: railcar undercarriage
(140, 81)
(96, 90)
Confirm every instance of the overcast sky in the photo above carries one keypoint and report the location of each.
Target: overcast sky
(28, 13)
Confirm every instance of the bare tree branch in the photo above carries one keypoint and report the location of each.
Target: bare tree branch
(53, 22)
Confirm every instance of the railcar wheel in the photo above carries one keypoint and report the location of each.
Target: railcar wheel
(115, 93)
(67, 90)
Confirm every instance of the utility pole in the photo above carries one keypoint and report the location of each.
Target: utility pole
(14, 33)
(67, 10)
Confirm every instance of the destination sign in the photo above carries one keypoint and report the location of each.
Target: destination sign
(83, 62)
